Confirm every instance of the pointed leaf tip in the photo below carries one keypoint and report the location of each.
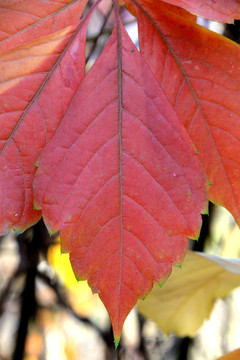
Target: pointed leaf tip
(116, 342)
(160, 284)
(118, 234)
(179, 265)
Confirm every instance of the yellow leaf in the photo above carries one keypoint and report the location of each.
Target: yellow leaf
(62, 265)
(189, 294)
(82, 298)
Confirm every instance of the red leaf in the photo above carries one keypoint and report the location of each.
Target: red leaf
(205, 70)
(37, 83)
(219, 10)
(121, 180)
(25, 21)
(161, 6)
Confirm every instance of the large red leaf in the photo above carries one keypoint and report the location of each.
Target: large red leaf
(219, 10)
(200, 73)
(159, 6)
(121, 180)
(37, 83)
(25, 21)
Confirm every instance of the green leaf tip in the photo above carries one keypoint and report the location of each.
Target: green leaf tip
(206, 210)
(79, 278)
(179, 265)
(161, 283)
(51, 233)
(63, 252)
(116, 342)
(36, 206)
(18, 231)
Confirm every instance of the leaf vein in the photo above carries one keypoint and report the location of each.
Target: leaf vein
(144, 245)
(157, 182)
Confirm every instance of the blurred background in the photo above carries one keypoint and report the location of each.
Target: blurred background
(45, 314)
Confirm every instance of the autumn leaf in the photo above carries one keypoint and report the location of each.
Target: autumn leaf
(110, 185)
(159, 7)
(220, 10)
(205, 70)
(22, 22)
(37, 81)
(187, 298)
(82, 299)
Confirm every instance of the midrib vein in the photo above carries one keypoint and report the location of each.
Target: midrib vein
(119, 66)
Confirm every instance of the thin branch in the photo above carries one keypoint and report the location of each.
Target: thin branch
(27, 312)
(62, 301)
(94, 38)
(101, 32)
(5, 292)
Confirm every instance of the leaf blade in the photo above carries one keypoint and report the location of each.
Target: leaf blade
(204, 67)
(201, 280)
(22, 23)
(107, 207)
(32, 77)
(222, 10)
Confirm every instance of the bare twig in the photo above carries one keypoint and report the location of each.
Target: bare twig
(62, 301)
(101, 32)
